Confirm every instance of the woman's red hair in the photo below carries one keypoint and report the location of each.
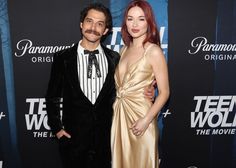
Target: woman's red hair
(152, 32)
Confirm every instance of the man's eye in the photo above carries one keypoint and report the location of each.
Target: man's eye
(100, 24)
(88, 21)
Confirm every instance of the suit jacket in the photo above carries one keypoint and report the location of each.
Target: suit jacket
(86, 122)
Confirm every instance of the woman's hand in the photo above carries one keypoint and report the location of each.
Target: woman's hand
(140, 126)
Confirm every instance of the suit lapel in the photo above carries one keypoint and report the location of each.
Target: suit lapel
(108, 82)
(72, 71)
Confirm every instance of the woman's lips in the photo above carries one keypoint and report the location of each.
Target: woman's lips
(135, 30)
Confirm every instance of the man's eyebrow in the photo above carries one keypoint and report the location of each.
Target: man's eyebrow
(87, 18)
(101, 21)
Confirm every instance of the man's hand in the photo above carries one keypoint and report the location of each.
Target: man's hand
(62, 133)
(149, 92)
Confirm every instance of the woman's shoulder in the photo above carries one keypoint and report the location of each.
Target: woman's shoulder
(153, 49)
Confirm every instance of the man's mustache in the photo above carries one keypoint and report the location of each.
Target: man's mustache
(93, 32)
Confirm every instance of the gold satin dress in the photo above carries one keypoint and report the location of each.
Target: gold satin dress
(128, 150)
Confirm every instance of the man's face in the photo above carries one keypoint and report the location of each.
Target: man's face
(94, 26)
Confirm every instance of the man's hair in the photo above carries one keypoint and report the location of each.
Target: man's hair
(101, 8)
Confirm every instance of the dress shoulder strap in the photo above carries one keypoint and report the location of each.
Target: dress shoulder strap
(123, 49)
(148, 48)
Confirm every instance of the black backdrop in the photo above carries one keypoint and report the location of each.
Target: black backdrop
(190, 75)
(201, 137)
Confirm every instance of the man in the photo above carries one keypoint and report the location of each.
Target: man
(85, 81)
(83, 76)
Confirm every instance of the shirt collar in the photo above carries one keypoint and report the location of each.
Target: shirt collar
(80, 49)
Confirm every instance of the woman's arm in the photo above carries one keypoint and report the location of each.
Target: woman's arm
(157, 60)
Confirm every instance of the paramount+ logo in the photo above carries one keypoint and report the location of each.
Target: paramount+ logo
(36, 120)
(214, 115)
(2, 115)
(215, 52)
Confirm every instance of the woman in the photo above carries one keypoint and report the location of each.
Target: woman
(134, 129)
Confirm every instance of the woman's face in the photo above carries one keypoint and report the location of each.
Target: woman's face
(136, 22)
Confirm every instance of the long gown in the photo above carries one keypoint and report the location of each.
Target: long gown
(128, 150)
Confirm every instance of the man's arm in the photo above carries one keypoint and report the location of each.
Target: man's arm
(54, 94)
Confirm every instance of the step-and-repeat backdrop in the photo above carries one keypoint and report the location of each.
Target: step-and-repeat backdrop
(198, 124)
